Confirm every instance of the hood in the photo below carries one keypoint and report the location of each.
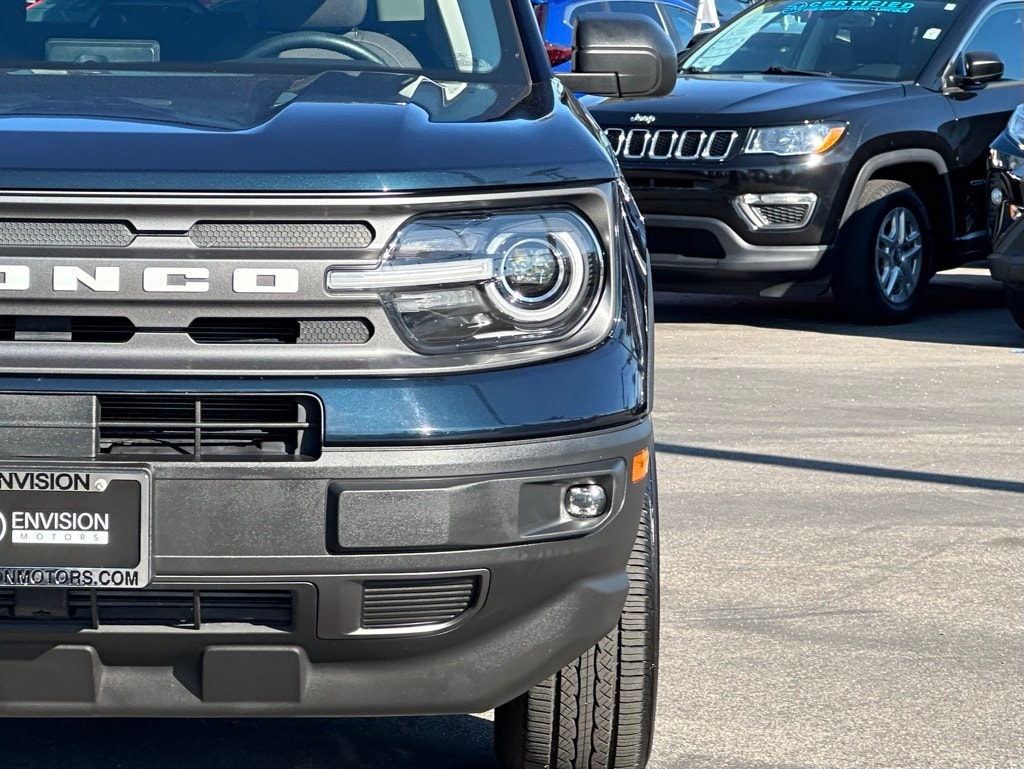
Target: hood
(728, 101)
(338, 132)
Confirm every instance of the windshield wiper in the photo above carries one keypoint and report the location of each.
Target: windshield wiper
(690, 71)
(778, 69)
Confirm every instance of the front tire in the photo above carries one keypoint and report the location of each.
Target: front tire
(886, 256)
(597, 712)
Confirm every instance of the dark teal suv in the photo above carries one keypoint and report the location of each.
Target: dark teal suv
(325, 354)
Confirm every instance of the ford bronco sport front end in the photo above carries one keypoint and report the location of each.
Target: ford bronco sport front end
(324, 368)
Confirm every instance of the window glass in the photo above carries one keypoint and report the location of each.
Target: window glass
(234, 64)
(683, 22)
(454, 36)
(648, 9)
(582, 8)
(847, 38)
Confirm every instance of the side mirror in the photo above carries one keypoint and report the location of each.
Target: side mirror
(980, 67)
(620, 54)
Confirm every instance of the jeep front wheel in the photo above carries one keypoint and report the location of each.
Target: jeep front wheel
(598, 711)
(885, 259)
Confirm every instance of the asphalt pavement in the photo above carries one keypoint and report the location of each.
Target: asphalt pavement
(843, 560)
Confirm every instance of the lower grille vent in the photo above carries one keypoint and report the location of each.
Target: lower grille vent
(209, 427)
(163, 608)
(44, 328)
(784, 214)
(396, 604)
(279, 331)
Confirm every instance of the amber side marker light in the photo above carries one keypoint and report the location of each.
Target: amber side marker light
(641, 464)
(834, 135)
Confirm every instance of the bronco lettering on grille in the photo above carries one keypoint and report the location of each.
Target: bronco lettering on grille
(193, 280)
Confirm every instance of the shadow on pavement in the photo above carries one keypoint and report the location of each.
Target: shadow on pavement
(437, 742)
(845, 468)
(961, 307)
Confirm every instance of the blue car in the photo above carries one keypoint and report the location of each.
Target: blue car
(557, 17)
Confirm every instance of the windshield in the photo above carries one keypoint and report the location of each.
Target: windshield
(233, 63)
(450, 37)
(889, 40)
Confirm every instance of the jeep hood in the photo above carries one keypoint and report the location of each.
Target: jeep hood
(336, 132)
(727, 101)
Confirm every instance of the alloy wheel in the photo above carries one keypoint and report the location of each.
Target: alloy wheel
(898, 255)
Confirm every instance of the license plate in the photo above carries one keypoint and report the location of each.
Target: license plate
(73, 528)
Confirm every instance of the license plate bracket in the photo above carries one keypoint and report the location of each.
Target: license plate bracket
(69, 527)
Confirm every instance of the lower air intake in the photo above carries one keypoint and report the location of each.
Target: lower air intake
(415, 603)
(189, 609)
(793, 215)
(169, 427)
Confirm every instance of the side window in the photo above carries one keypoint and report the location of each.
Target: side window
(635, 6)
(682, 21)
(1002, 33)
(583, 8)
(648, 9)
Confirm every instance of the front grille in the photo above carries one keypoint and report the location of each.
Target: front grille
(670, 144)
(209, 427)
(45, 328)
(281, 235)
(114, 330)
(191, 609)
(280, 331)
(411, 603)
(62, 234)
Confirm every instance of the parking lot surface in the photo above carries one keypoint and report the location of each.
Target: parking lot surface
(843, 560)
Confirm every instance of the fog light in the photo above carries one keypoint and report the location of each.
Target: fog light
(587, 501)
(996, 196)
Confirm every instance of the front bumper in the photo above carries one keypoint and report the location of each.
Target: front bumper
(1006, 174)
(736, 263)
(545, 587)
(1007, 260)
(700, 232)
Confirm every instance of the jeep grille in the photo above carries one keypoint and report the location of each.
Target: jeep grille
(669, 144)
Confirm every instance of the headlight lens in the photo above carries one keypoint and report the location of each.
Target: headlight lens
(1015, 128)
(806, 139)
(473, 282)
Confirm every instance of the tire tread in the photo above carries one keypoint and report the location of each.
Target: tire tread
(598, 711)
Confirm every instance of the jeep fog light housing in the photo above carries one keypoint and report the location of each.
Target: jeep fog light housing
(471, 282)
(805, 139)
(777, 210)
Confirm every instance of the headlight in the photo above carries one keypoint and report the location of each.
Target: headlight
(471, 282)
(806, 139)
(1015, 128)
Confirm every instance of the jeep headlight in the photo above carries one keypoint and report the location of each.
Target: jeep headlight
(804, 139)
(471, 282)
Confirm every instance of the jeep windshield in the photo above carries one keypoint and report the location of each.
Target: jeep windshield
(233, 63)
(888, 40)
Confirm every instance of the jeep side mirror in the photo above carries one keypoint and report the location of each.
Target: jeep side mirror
(980, 67)
(620, 54)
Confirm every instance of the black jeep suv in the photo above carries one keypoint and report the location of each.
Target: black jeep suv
(831, 143)
(324, 369)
